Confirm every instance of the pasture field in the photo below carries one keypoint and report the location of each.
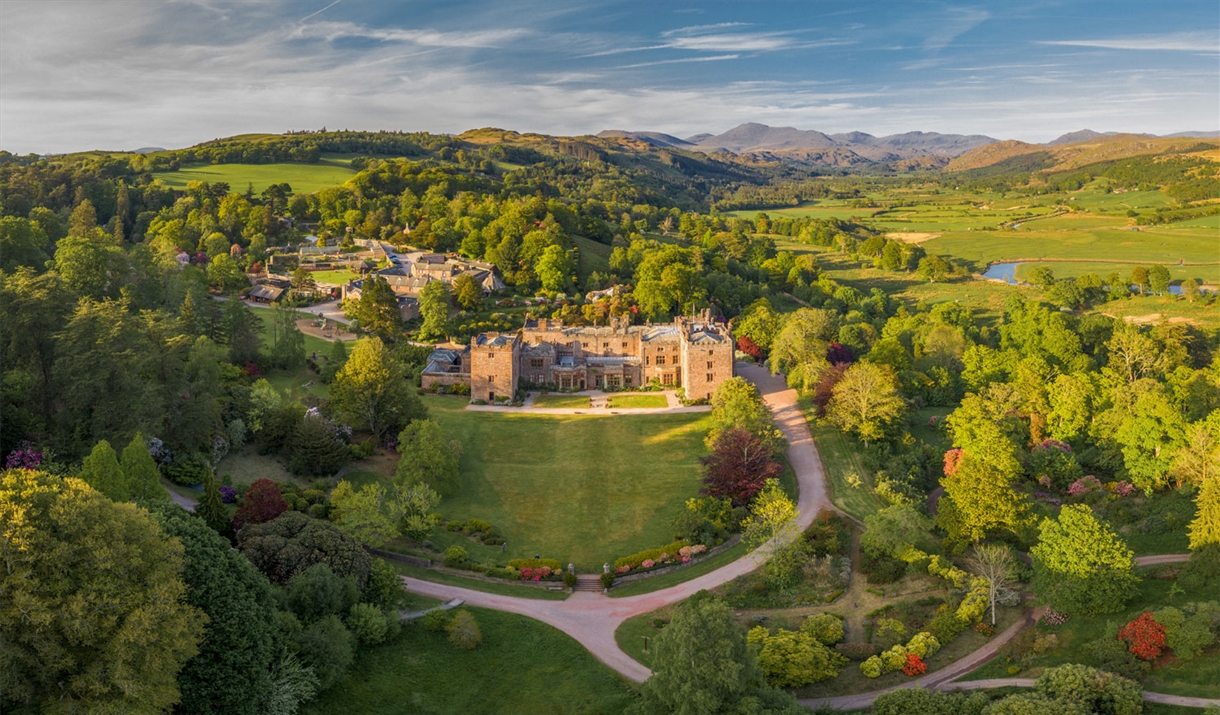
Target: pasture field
(1147, 246)
(581, 489)
(522, 667)
(303, 178)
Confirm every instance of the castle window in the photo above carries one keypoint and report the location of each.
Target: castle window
(605, 346)
(647, 360)
(537, 362)
(491, 356)
(624, 344)
(660, 359)
(491, 378)
(709, 377)
(709, 364)
(660, 349)
(711, 352)
(584, 345)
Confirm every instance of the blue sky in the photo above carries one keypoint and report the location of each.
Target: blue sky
(120, 75)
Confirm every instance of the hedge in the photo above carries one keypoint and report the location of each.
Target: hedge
(634, 560)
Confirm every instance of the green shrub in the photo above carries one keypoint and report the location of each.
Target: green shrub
(519, 564)
(946, 626)
(437, 620)
(455, 556)
(475, 525)
(569, 580)
(454, 525)
(318, 511)
(464, 631)
(872, 667)
(367, 623)
(825, 628)
(508, 574)
(607, 580)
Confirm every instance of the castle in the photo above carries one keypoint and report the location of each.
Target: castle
(693, 353)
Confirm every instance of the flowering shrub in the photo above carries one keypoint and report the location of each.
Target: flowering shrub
(984, 628)
(622, 569)
(520, 564)
(23, 459)
(1144, 637)
(228, 495)
(529, 574)
(656, 556)
(953, 460)
(1054, 444)
(1055, 618)
(1084, 485)
(1124, 488)
(933, 420)
(1048, 498)
(914, 665)
(647, 563)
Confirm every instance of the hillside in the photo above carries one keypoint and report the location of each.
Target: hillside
(1061, 157)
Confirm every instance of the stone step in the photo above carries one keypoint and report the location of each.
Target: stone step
(588, 582)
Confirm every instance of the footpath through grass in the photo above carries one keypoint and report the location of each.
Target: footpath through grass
(523, 667)
(581, 489)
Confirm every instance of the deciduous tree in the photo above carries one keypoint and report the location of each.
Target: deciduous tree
(866, 401)
(738, 467)
(1205, 528)
(434, 309)
(113, 636)
(372, 391)
(261, 503)
(427, 457)
(993, 562)
(1080, 564)
(467, 291)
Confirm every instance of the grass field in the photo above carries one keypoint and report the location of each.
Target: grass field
(1197, 678)
(523, 667)
(562, 401)
(335, 277)
(1145, 246)
(841, 459)
(627, 401)
(581, 489)
(303, 178)
(594, 256)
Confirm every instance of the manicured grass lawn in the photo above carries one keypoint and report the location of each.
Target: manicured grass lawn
(631, 633)
(562, 401)
(247, 466)
(1197, 678)
(336, 277)
(581, 489)
(841, 458)
(523, 667)
(312, 344)
(504, 589)
(638, 401)
(304, 178)
(656, 583)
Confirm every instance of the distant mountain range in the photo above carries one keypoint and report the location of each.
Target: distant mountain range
(806, 146)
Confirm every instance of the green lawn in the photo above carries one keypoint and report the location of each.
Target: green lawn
(335, 277)
(841, 458)
(627, 401)
(1144, 246)
(1197, 678)
(522, 667)
(312, 344)
(303, 178)
(581, 489)
(562, 401)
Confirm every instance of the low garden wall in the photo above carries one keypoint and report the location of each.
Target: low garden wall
(730, 543)
(402, 558)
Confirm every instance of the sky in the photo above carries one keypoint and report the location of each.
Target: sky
(122, 75)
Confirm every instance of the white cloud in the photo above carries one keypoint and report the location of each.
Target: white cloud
(1177, 42)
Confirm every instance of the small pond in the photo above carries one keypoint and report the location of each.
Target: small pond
(1007, 272)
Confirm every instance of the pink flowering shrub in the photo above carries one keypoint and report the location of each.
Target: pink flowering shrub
(684, 552)
(531, 574)
(1124, 488)
(648, 563)
(1084, 485)
(953, 460)
(698, 549)
(622, 569)
(1054, 444)
(23, 459)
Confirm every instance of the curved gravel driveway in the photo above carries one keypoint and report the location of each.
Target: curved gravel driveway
(592, 618)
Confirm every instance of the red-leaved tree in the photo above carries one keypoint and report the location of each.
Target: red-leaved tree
(837, 354)
(261, 503)
(824, 390)
(737, 467)
(1144, 637)
(749, 347)
(914, 665)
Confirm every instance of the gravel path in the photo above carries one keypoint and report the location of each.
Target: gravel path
(592, 618)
